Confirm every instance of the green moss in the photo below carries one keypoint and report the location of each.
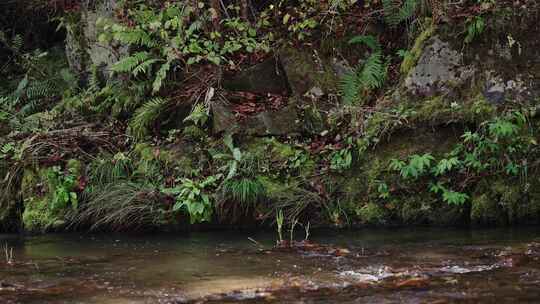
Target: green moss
(412, 56)
(305, 72)
(273, 187)
(313, 120)
(37, 194)
(193, 133)
(433, 110)
(372, 214)
(37, 217)
(413, 210)
(74, 166)
(479, 109)
(485, 210)
(145, 151)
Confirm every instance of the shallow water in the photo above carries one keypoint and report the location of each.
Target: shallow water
(365, 266)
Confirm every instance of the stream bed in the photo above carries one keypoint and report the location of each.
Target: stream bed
(363, 266)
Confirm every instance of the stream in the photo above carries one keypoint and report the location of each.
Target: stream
(363, 266)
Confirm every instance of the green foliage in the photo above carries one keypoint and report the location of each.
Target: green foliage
(199, 115)
(244, 190)
(366, 77)
(446, 165)
(341, 159)
(397, 11)
(110, 168)
(146, 115)
(280, 220)
(501, 146)
(121, 206)
(417, 165)
(450, 197)
(383, 190)
(193, 197)
(233, 159)
(63, 185)
(475, 26)
(176, 36)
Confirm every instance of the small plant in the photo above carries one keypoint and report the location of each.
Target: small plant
(475, 27)
(499, 146)
(8, 253)
(64, 184)
(356, 84)
(383, 190)
(244, 190)
(291, 231)
(233, 159)
(396, 12)
(450, 197)
(307, 230)
(280, 219)
(193, 197)
(446, 165)
(417, 166)
(146, 115)
(341, 160)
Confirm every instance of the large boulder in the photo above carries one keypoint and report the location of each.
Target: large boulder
(501, 64)
(439, 70)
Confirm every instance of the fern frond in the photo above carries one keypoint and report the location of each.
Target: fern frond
(408, 10)
(146, 115)
(371, 75)
(17, 43)
(368, 40)
(42, 89)
(144, 66)
(128, 64)
(374, 71)
(160, 76)
(350, 87)
(93, 80)
(31, 107)
(397, 11)
(135, 37)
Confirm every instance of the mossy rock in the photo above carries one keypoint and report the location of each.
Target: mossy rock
(37, 216)
(37, 195)
(304, 72)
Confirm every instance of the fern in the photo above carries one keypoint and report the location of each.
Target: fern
(397, 11)
(160, 76)
(144, 67)
(129, 64)
(42, 89)
(146, 115)
(135, 37)
(371, 75)
(369, 40)
(475, 27)
(17, 43)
